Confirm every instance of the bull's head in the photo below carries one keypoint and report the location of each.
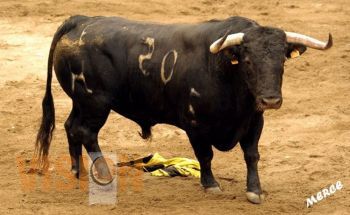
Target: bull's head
(261, 52)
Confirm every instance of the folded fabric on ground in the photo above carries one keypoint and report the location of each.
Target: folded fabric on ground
(157, 165)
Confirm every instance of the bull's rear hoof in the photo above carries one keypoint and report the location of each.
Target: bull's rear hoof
(255, 198)
(214, 190)
(82, 175)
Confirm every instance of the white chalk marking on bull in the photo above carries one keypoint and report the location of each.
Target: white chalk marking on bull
(80, 76)
(150, 42)
(194, 92)
(72, 76)
(162, 71)
(190, 109)
(73, 81)
(81, 42)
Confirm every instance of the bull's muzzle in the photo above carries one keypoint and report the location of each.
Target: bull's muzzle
(269, 103)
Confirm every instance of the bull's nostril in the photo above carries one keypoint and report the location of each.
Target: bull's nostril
(271, 101)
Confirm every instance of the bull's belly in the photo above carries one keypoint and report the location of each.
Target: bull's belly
(226, 140)
(223, 136)
(144, 114)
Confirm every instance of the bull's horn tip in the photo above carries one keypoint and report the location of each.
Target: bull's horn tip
(330, 41)
(213, 49)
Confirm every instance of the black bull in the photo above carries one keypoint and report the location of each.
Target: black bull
(152, 73)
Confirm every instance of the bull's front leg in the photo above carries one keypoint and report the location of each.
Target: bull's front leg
(249, 144)
(204, 154)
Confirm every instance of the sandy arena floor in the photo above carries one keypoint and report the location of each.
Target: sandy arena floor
(304, 146)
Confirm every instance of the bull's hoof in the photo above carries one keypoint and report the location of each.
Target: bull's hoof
(82, 175)
(74, 172)
(255, 198)
(214, 190)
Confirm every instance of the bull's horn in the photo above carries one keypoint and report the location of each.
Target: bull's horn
(226, 41)
(309, 41)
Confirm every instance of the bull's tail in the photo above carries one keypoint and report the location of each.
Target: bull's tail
(47, 126)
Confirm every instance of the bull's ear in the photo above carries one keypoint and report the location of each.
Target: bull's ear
(295, 50)
(230, 55)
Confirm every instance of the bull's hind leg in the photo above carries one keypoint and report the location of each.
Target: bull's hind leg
(75, 146)
(249, 144)
(83, 126)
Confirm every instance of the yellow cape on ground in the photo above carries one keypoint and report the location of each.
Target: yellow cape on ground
(173, 166)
